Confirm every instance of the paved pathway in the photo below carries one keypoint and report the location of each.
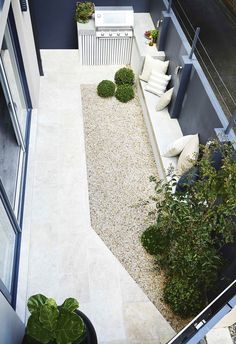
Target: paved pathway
(67, 258)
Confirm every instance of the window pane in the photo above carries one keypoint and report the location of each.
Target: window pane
(7, 248)
(11, 70)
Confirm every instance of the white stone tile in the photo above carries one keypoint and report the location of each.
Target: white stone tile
(143, 315)
(106, 316)
(219, 336)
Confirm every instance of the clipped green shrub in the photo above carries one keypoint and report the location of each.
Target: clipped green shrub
(184, 298)
(154, 240)
(106, 88)
(124, 76)
(124, 93)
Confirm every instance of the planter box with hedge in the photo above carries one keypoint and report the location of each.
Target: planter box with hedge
(192, 227)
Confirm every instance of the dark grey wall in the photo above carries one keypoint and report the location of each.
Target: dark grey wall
(198, 114)
(201, 112)
(55, 24)
(156, 7)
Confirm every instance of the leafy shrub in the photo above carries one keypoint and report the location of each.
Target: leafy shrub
(84, 11)
(106, 88)
(154, 240)
(185, 299)
(193, 225)
(124, 93)
(49, 323)
(124, 76)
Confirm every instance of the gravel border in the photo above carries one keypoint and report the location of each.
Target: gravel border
(120, 162)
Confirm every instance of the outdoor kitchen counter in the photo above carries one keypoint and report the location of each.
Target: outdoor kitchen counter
(143, 22)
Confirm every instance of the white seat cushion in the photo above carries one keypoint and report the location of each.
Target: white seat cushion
(176, 147)
(164, 100)
(157, 85)
(188, 156)
(151, 64)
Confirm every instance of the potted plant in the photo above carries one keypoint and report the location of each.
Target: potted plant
(53, 324)
(84, 11)
(152, 35)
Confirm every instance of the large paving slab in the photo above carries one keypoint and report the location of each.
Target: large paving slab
(67, 258)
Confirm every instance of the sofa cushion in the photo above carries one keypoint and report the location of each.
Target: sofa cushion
(164, 100)
(189, 155)
(176, 147)
(151, 64)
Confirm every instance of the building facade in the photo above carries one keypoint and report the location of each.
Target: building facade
(19, 89)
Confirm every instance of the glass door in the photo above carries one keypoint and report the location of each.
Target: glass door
(13, 122)
(12, 81)
(9, 241)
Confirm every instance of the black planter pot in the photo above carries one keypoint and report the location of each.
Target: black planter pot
(90, 336)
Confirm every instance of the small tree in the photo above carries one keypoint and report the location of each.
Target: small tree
(191, 228)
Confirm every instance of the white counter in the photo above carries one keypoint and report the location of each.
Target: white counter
(143, 22)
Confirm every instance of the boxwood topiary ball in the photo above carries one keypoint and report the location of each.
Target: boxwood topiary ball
(106, 89)
(124, 93)
(124, 76)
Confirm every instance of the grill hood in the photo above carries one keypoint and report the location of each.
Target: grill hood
(118, 17)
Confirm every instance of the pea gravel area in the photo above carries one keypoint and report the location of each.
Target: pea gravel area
(120, 162)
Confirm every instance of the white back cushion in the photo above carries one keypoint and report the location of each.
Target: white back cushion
(164, 99)
(151, 64)
(188, 156)
(157, 85)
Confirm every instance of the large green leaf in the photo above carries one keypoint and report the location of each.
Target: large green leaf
(51, 302)
(35, 302)
(70, 327)
(48, 316)
(70, 304)
(35, 329)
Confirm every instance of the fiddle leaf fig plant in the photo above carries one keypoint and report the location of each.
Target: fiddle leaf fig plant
(50, 323)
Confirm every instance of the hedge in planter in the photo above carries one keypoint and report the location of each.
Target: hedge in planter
(191, 228)
(106, 88)
(124, 76)
(124, 93)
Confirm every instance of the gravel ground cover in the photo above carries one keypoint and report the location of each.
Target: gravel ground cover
(232, 330)
(119, 163)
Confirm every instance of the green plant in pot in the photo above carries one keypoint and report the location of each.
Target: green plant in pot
(84, 11)
(53, 324)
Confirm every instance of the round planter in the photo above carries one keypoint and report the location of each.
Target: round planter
(90, 336)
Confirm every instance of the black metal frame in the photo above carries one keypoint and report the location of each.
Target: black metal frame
(209, 316)
(17, 222)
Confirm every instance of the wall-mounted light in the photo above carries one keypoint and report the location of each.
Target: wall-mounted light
(178, 70)
(23, 5)
(159, 23)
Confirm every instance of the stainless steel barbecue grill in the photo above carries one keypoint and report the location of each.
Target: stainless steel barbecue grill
(107, 39)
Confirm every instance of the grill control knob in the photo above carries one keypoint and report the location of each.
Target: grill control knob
(118, 33)
(110, 34)
(102, 34)
(126, 34)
